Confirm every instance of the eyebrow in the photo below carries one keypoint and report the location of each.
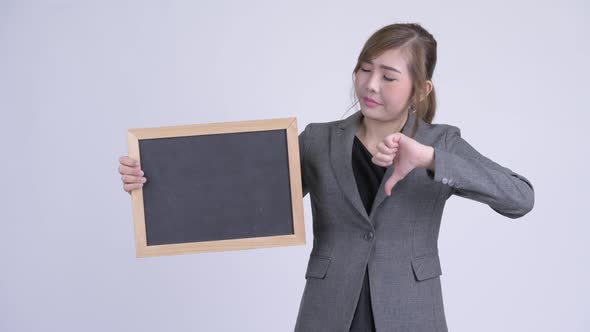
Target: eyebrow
(385, 67)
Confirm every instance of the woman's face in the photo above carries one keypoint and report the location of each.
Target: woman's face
(385, 80)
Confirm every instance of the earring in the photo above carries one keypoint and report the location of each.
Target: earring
(412, 109)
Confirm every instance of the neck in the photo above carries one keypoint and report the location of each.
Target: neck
(373, 131)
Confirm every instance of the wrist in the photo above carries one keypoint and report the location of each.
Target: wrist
(427, 160)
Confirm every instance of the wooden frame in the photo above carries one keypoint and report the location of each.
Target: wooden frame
(288, 124)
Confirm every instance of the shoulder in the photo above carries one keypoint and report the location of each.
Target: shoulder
(439, 128)
(319, 128)
(328, 124)
(436, 133)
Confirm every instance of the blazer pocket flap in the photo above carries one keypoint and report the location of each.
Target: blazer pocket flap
(317, 266)
(426, 267)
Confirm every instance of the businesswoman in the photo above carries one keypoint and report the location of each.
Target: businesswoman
(378, 182)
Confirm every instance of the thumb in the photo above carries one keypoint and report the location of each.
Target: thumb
(390, 183)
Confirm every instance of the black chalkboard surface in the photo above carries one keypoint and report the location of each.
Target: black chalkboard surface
(217, 186)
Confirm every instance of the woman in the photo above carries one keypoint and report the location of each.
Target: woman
(378, 182)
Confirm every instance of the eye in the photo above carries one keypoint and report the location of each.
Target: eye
(384, 77)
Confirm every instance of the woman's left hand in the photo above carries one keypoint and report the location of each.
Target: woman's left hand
(405, 154)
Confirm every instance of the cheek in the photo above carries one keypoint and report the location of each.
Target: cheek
(358, 85)
(396, 94)
(391, 96)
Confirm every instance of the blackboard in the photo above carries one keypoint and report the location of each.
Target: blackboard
(217, 186)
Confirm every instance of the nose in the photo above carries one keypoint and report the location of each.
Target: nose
(373, 83)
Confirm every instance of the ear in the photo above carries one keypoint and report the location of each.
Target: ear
(428, 85)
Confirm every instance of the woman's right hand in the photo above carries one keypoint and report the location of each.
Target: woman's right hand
(131, 174)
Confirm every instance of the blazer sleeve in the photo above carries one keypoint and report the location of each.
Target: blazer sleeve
(472, 175)
(303, 145)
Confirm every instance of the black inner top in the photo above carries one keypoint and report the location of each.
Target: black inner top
(368, 178)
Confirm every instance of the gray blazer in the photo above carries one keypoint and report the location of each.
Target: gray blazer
(398, 239)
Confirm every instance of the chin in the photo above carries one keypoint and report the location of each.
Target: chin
(379, 114)
(373, 114)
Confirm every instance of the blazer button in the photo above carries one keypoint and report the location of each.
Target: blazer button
(369, 236)
(445, 180)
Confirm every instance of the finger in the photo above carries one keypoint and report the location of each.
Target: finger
(381, 163)
(129, 187)
(381, 147)
(127, 161)
(384, 157)
(133, 179)
(388, 141)
(130, 170)
(390, 183)
(392, 141)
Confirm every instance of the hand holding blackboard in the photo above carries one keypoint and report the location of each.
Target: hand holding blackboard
(131, 174)
(215, 187)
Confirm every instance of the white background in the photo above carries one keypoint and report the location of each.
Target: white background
(75, 75)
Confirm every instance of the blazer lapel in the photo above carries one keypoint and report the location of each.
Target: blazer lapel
(341, 142)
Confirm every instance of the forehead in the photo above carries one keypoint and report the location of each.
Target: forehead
(393, 58)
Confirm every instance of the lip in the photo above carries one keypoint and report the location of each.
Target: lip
(370, 102)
